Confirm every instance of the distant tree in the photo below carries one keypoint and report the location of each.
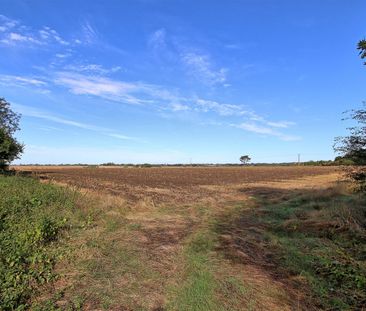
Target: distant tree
(10, 148)
(245, 159)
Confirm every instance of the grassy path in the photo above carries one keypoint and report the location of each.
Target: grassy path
(167, 257)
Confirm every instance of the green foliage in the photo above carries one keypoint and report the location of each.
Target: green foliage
(10, 148)
(245, 159)
(32, 217)
(353, 147)
(362, 47)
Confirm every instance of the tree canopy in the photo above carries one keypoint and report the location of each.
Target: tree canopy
(10, 148)
(362, 47)
(244, 159)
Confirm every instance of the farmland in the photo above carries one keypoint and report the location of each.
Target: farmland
(202, 238)
(164, 184)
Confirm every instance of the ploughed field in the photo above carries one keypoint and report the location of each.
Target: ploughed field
(170, 184)
(175, 177)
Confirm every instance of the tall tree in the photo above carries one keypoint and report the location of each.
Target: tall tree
(10, 148)
(353, 146)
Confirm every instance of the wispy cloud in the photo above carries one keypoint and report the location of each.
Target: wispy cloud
(49, 34)
(7, 23)
(138, 93)
(63, 55)
(163, 99)
(37, 113)
(93, 155)
(14, 38)
(200, 66)
(93, 69)
(179, 107)
(265, 130)
(89, 33)
(11, 80)
(157, 39)
(104, 87)
(222, 109)
(232, 46)
(13, 32)
(280, 124)
(196, 63)
(123, 137)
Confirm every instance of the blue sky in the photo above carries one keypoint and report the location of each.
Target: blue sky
(180, 81)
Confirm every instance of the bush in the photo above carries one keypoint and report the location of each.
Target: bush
(32, 217)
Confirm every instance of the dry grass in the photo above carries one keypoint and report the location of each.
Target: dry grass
(135, 250)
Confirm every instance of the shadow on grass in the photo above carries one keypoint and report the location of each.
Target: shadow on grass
(313, 241)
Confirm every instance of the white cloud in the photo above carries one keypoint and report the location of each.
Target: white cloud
(123, 137)
(7, 23)
(179, 107)
(49, 34)
(157, 39)
(13, 38)
(199, 65)
(37, 113)
(163, 99)
(221, 109)
(280, 124)
(264, 130)
(90, 35)
(10, 80)
(13, 32)
(63, 55)
(93, 68)
(103, 87)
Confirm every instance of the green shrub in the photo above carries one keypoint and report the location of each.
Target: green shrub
(32, 217)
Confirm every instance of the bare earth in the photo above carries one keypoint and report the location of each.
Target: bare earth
(162, 184)
(132, 257)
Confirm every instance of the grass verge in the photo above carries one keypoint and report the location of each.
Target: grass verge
(33, 219)
(314, 240)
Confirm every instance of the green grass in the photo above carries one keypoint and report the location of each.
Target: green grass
(33, 218)
(197, 293)
(319, 237)
(204, 286)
